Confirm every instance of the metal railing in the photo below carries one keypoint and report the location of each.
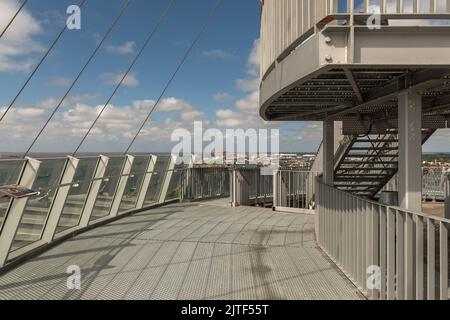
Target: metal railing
(75, 194)
(388, 252)
(286, 24)
(250, 187)
(294, 189)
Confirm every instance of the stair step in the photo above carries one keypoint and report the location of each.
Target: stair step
(367, 169)
(372, 156)
(377, 141)
(372, 148)
(359, 185)
(338, 179)
(370, 163)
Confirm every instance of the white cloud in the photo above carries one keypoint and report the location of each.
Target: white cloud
(247, 85)
(249, 103)
(113, 131)
(110, 78)
(245, 112)
(123, 49)
(61, 82)
(222, 96)
(17, 46)
(217, 54)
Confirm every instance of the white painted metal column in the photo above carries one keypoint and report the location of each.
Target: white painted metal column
(410, 151)
(60, 199)
(328, 152)
(167, 179)
(93, 191)
(124, 176)
(146, 182)
(410, 175)
(15, 210)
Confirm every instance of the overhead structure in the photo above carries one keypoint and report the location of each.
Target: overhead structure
(381, 67)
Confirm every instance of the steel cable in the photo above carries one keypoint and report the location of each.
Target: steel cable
(144, 46)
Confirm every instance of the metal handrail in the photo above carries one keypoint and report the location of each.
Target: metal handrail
(381, 248)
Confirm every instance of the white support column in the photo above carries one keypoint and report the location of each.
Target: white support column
(328, 152)
(410, 176)
(410, 151)
(124, 176)
(146, 182)
(93, 191)
(60, 199)
(16, 208)
(167, 179)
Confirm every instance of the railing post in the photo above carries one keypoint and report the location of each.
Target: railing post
(60, 199)
(391, 257)
(167, 179)
(443, 269)
(409, 257)
(431, 262)
(400, 256)
(375, 245)
(328, 152)
(123, 179)
(383, 252)
(275, 189)
(93, 191)
(15, 211)
(146, 182)
(419, 258)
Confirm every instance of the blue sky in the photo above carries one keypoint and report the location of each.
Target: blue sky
(218, 84)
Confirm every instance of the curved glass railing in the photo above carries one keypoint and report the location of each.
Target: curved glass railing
(77, 193)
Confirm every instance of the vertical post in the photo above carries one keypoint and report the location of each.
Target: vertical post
(146, 182)
(419, 258)
(233, 183)
(93, 191)
(431, 260)
(275, 189)
(123, 179)
(410, 151)
(16, 208)
(410, 175)
(60, 199)
(447, 206)
(167, 179)
(400, 255)
(446, 188)
(443, 268)
(328, 152)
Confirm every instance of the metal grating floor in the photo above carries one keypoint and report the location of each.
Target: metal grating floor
(188, 251)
